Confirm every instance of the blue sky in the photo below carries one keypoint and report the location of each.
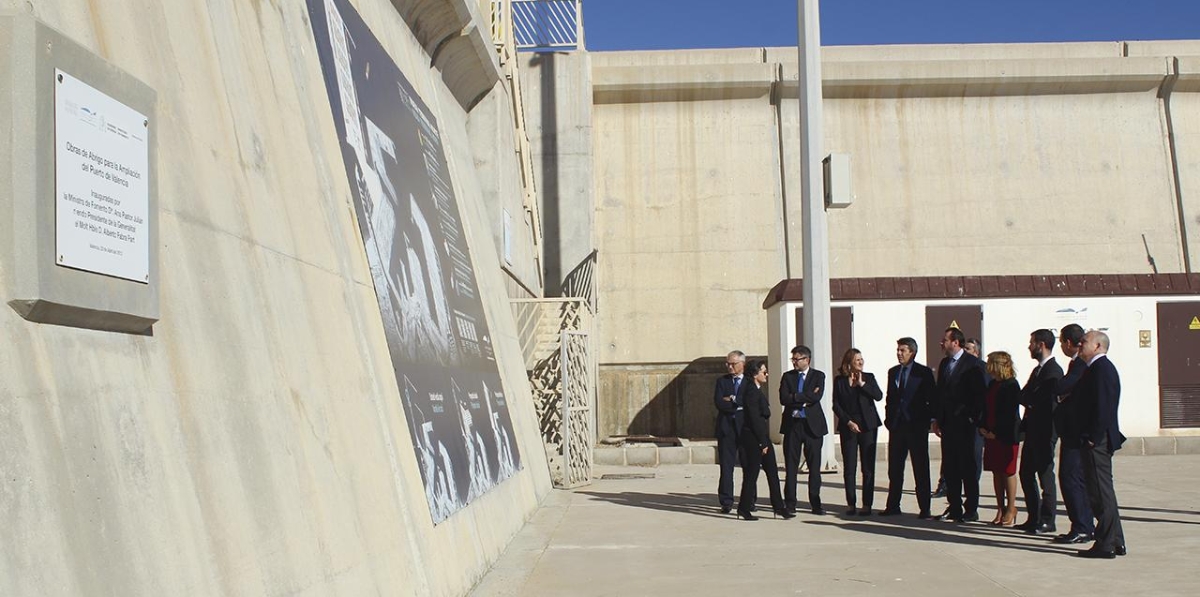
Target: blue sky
(673, 24)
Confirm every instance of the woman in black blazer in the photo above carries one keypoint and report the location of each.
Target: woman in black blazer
(1000, 429)
(855, 393)
(758, 453)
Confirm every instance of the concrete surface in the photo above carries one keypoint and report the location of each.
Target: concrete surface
(255, 444)
(665, 536)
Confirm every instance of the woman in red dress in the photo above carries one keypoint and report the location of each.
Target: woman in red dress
(1000, 427)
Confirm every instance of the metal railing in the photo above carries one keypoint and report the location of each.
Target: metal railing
(547, 24)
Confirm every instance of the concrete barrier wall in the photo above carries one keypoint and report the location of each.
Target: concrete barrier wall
(255, 443)
(965, 159)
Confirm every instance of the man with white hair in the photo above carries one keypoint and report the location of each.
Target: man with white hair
(1099, 392)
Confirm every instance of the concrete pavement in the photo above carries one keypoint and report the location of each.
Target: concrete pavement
(664, 535)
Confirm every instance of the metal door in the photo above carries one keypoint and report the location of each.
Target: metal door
(1179, 364)
(578, 389)
(968, 318)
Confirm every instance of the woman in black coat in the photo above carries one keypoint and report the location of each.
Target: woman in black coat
(1000, 428)
(758, 453)
(855, 393)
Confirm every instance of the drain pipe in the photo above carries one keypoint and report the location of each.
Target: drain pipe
(1164, 94)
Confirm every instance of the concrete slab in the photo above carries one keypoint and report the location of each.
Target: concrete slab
(609, 456)
(704, 454)
(1159, 446)
(1187, 445)
(641, 456)
(674, 455)
(666, 536)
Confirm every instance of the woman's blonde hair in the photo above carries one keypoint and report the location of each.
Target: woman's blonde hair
(1000, 365)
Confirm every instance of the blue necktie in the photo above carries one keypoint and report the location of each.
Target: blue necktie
(801, 390)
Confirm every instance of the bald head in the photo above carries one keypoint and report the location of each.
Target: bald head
(1094, 342)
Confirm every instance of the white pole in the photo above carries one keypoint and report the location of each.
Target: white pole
(812, 201)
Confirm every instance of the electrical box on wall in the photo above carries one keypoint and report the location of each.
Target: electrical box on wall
(837, 181)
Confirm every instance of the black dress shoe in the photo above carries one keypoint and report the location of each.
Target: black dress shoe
(819, 511)
(889, 512)
(1043, 529)
(726, 509)
(972, 517)
(940, 492)
(1027, 526)
(1070, 538)
(851, 511)
(1120, 550)
(746, 515)
(1099, 554)
(864, 512)
(784, 514)
(925, 515)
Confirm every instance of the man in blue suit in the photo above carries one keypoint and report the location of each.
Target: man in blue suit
(911, 397)
(803, 427)
(1099, 394)
(727, 398)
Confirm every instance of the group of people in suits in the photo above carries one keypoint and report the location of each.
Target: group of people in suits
(967, 398)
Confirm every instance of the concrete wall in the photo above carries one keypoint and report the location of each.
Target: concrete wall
(965, 159)
(255, 443)
(557, 91)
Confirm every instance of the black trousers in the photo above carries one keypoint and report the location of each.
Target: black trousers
(1097, 472)
(1037, 465)
(753, 461)
(727, 458)
(903, 443)
(1074, 490)
(796, 443)
(855, 445)
(962, 474)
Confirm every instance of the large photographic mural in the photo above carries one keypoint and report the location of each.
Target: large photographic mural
(424, 279)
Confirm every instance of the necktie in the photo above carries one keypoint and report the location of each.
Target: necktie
(737, 382)
(1036, 370)
(903, 377)
(950, 366)
(801, 390)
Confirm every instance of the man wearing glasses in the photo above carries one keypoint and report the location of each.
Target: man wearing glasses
(803, 428)
(728, 400)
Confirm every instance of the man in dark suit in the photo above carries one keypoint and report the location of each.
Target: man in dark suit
(1070, 458)
(911, 395)
(1037, 457)
(803, 427)
(727, 398)
(1099, 394)
(960, 388)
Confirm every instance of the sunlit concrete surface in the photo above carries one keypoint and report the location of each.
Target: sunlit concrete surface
(665, 536)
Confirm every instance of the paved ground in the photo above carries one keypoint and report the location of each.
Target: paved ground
(665, 536)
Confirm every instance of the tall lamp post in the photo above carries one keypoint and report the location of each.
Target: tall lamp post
(814, 226)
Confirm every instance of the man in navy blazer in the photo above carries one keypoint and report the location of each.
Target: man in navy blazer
(908, 408)
(803, 427)
(1070, 458)
(1037, 456)
(1099, 394)
(727, 397)
(961, 386)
